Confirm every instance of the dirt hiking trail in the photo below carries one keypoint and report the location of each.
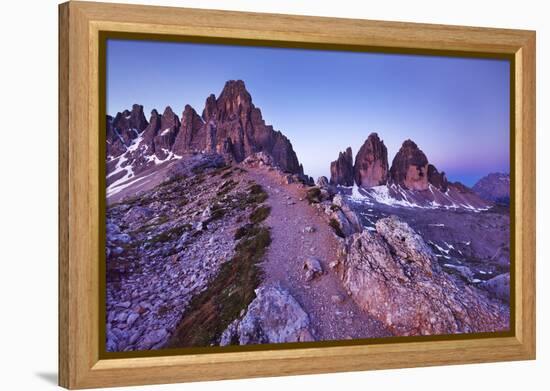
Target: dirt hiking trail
(333, 315)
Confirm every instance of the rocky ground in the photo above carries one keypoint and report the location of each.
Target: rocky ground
(394, 268)
(474, 245)
(167, 245)
(392, 274)
(300, 233)
(175, 252)
(222, 253)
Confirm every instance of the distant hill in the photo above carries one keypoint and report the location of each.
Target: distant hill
(494, 187)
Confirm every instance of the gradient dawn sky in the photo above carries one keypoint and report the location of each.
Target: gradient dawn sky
(455, 109)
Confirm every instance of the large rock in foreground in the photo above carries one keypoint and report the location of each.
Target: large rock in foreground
(274, 316)
(371, 163)
(341, 170)
(499, 286)
(394, 276)
(348, 221)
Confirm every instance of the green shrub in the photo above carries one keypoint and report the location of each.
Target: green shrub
(335, 225)
(260, 214)
(231, 291)
(256, 195)
(313, 195)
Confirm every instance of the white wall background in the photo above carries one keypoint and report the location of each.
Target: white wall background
(28, 207)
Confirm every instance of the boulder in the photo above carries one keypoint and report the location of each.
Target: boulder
(274, 316)
(112, 228)
(153, 339)
(260, 159)
(230, 126)
(345, 228)
(325, 194)
(498, 286)
(322, 181)
(394, 275)
(313, 268)
(353, 220)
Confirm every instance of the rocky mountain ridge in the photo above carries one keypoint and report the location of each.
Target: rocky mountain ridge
(341, 170)
(494, 187)
(188, 262)
(230, 125)
(371, 163)
(411, 180)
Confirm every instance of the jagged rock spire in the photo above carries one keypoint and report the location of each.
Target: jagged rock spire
(409, 167)
(341, 170)
(371, 163)
(230, 125)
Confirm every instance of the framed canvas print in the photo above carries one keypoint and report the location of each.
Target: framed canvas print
(251, 195)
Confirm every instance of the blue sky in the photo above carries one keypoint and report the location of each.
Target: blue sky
(455, 109)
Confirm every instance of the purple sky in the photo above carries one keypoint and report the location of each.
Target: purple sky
(455, 109)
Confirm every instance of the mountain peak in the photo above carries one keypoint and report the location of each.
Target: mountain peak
(409, 167)
(169, 120)
(235, 89)
(437, 179)
(234, 96)
(409, 144)
(230, 126)
(168, 112)
(235, 86)
(494, 187)
(341, 170)
(371, 163)
(189, 136)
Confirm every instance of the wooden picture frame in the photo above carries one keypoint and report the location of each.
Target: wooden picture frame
(80, 27)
